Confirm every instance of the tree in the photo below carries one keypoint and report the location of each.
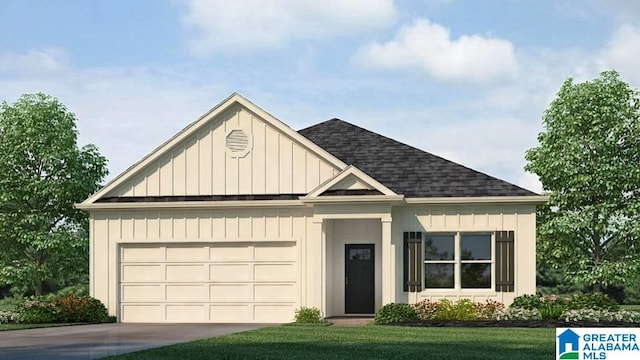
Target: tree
(588, 160)
(42, 174)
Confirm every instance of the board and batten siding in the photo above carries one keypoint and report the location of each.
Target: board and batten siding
(202, 164)
(470, 218)
(110, 229)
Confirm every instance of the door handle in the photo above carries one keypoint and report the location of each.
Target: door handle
(346, 280)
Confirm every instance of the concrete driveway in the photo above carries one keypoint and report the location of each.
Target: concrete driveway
(96, 341)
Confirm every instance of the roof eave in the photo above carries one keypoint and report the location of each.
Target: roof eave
(527, 199)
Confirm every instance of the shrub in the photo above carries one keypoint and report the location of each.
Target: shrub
(489, 309)
(528, 302)
(396, 312)
(62, 309)
(9, 317)
(463, 309)
(38, 311)
(551, 311)
(517, 313)
(79, 290)
(426, 309)
(81, 309)
(601, 315)
(308, 315)
(595, 300)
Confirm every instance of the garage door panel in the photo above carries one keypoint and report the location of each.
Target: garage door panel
(196, 282)
(142, 313)
(142, 293)
(231, 252)
(275, 251)
(231, 313)
(190, 273)
(187, 293)
(274, 272)
(200, 253)
(132, 273)
(230, 272)
(230, 293)
(186, 313)
(142, 254)
(274, 293)
(273, 313)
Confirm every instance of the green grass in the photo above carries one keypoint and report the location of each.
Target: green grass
(7, 327)
(367, 342)
(630, 307)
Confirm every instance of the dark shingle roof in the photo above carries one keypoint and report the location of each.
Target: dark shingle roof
(403, 168)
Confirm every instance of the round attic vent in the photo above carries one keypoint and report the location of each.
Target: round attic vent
(237, 140)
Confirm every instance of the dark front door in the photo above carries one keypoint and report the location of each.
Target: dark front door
(359, 293)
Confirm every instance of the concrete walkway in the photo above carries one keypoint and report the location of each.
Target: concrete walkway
(96, 341)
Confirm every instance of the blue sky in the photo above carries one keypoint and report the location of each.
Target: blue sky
(467, 80)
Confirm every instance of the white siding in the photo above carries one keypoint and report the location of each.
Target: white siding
(202, 165)
(443, 218)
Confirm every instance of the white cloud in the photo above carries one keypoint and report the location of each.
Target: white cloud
(250, 25)
(36, 60)
(622, 53)
(428, 47)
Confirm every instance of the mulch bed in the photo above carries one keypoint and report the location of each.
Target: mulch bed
(515, 323)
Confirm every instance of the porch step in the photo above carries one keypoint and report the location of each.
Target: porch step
(350, 320)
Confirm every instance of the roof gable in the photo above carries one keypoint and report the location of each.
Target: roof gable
(234, 149)
(404, 169)
(352, 180)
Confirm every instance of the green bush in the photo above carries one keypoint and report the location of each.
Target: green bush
(595, 300)
(38, 310)
(463, 309)
(396, 312)
(62, 309)
(529, 302)
(306, 315)
(79, 290)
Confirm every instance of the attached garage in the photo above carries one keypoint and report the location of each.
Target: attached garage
(208, 282)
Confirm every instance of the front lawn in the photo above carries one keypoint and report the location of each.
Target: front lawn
(367, 342)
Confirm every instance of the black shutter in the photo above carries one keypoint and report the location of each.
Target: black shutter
(412, 259)
(505, 261)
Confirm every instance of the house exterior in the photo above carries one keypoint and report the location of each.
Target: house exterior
(239, 218)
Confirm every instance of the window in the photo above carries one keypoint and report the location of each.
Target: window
(458, 261)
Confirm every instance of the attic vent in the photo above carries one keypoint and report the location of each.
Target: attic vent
(237, 140)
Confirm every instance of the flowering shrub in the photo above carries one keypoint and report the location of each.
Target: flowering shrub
(518, 313)
(9, 317)
(63, 309)
(489, 309)
(601, 315)
(426, 309)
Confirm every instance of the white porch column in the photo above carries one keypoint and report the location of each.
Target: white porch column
(315, 267)
(388, 277)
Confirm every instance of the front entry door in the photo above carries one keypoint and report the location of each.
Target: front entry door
(359, 292)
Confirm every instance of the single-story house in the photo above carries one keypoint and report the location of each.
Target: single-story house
(239, 218)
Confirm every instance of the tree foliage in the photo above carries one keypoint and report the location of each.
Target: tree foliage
(42, 174)
(588, 159)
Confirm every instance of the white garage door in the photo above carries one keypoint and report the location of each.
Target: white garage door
(228, 282)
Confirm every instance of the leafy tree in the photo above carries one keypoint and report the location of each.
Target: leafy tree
(42, 174)
(588, 159)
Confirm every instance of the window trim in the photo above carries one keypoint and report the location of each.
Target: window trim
(457, 261)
